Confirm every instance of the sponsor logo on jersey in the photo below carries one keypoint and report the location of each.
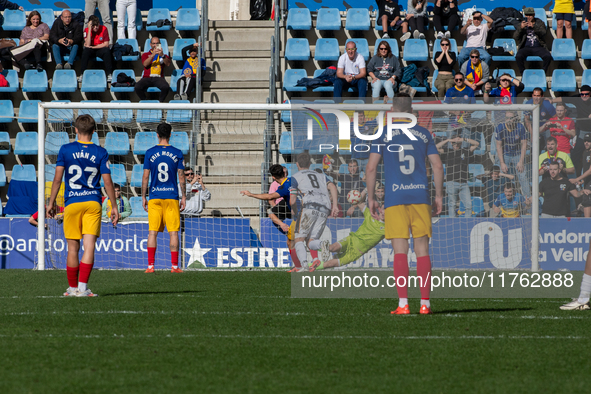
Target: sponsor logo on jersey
(412, 186)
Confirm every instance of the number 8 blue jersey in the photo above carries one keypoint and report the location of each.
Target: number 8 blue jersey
(163, 161)
(84, 163)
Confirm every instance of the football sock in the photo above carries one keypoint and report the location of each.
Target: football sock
(151, 256)
(424, 272)
(427, 303)
(300, 249)
(314, 245)
(294, 258)
(72, 273)
(85, 270)
(314, 254)
(401, 276)
(175, 259)
(585, 289)
(402, 302)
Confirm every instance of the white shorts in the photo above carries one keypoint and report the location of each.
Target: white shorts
(310, 223)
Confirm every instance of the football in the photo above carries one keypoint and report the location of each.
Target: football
(354, 196)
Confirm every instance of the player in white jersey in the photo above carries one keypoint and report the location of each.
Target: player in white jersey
(318, 196)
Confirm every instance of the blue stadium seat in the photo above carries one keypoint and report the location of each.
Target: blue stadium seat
(97, 114)
(534, 79)
(6, 111)
(393, 46)
(564, 81)
(118, 175)
(26, 143)
(362, 47)
(94, 81)
(473, 171)
(291, 77)
(117, 143)
(174, 77)
(500, 42)
(179, 44)
(586, 77)
(35, 81)
(564, 49)
(188, 19)
(64, 81)
(136, 175)
(14, 20)
(129, 89)
(328, 19)
(437, 44)
(27, 111)
(25, 172)
(179, 115)
(149, 115)
(297, 49)
(585, 26)
(285, 144)
(2, 180)
(47, 16)
(49, 172)
(54, 141)
(12, 79)
(540, 13)
(144, 140)
(180, 140)
(555, 23)
(330, 88)
(357, 19)
(137, 209)
(60, 115)
(353, 101)
(586, 49)
(163, 42)
(4, 137)
(327, 49)
(136, 48)
(286, 115)
(415, 50)
(299, 19)
(501, 71)
(156, 14)
(120, 115)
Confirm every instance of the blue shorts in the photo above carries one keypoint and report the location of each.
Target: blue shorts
(563, 16)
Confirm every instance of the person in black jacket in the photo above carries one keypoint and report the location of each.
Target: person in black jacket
(445, 13)
(65, 38)
(187, 82)
(529, 37)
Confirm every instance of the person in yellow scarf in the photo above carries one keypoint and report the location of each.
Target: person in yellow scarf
(476, 71)
(154, 62)
(186, 83)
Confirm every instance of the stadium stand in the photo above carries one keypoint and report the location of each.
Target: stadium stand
(501, 42)
(6, 111)
(5, 140)
(586, 49)
(586, 79)
(118, 175)
(149, 115)
(157, 18)
(179, 115)
(25, 172)
(286, 146)
(26, 143)
(564, 81)
(137, 209)
(47, 16)
(97, 114)
(188, 19)
(120, 115)
(60, 115)
(415, 50)
(12, 79)
(534, 79)
(330, 88)
(136, 48)
(143, 141)
(35, 81)
(117, 143)
(64, 81)
(328, 19)
(27, 112)
(357, 19)
(327, 49)
(2, 177)
(362, 47)
(180, 140)
(136, 175)
(291, 77)
(94, 81)
(564, 49)
(179, 44)
(123, 89)
(500, 71)
(299, 19)
(54, 141)
(14, 20)
(297, 49)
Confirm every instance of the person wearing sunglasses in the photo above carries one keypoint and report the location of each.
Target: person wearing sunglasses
(460, 93)
(389, 15)
(384, 69)
(476, 72)
(351, 72)
(529, 36)
(445, 60)
(445, 13)
(196, 193)
(508, 89)
(476, 33)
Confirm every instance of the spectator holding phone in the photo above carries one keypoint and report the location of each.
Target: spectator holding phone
(562, 128)
(154, 62)
(197, 193)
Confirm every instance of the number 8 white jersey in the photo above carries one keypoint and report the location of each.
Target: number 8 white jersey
(311, 187)
(163, 162)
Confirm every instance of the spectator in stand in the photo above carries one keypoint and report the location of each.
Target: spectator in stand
(273, 188)
(460, 93)
(365, 127)
(476, 33)
(477, 72)
(529, 37)
(562, 128)
(384, 69)
(126, 11)
(154, 62)
(585, 178)
(65, 37)
(554, 155)
(416, 15)
(389, 12)
(445, 13)
(96, 44)
(494, 184)
(197, 193)
(547, 111)
(104, 10)
(510, 204)
(34, 29)
(456, 162)
(351, 72)
(511, 141)
(350, 181)
(507, 90)
(445, 60)
(186, 83)
(565, 14)
(556, 189)
(123, 204)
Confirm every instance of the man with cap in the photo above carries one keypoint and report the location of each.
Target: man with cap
(529, 37)
(585, 178)
(494, 184)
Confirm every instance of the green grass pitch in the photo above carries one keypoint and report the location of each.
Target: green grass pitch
(241, 332)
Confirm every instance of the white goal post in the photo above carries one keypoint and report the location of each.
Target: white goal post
(274, 111)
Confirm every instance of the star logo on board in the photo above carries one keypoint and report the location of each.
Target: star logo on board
(196, 255)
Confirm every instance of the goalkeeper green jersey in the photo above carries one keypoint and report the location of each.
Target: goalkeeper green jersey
(370, 233)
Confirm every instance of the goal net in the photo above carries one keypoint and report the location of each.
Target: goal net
(232, 147)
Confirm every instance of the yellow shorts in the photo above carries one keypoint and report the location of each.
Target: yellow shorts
(82, 218)
(164, 213)
(402, 218)
(291, 230)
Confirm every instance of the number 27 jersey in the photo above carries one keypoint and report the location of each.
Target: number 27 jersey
(163, 161)
(83, 163)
